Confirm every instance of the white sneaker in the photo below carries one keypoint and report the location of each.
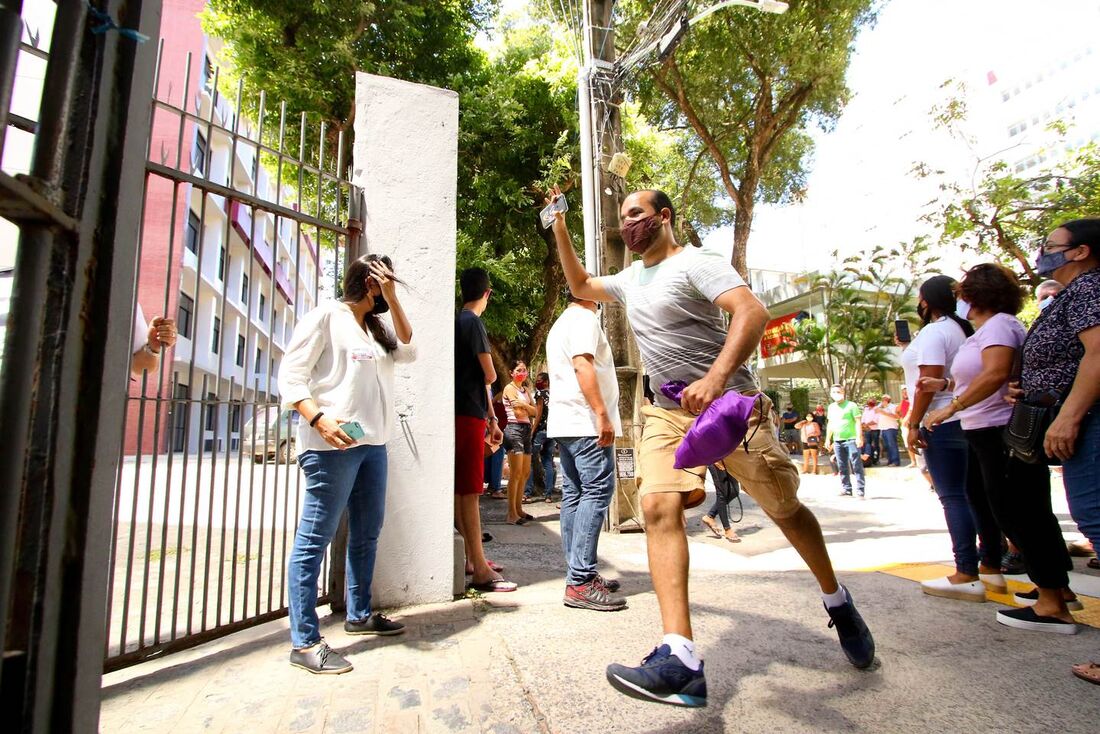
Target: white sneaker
(942, 587)
(993, 582)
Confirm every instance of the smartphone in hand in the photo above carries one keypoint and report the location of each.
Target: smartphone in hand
(559, 204)
(901, 331)
(353, 430)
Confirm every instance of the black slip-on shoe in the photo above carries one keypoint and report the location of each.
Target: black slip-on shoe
(375, 624)
(1029, 598)
(320, 659)
(1025, 618)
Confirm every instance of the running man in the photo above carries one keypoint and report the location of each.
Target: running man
(676, 300)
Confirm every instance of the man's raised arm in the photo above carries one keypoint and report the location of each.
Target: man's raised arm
(581, 283)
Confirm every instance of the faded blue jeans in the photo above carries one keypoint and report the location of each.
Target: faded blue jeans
(588, 481)
(1081, 475)
(890, 441)
(849, 462)
(948, 457)
(354, 479)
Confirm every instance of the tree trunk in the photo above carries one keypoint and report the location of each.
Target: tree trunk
(742, 226)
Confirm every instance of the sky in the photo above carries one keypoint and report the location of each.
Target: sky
(860, 191)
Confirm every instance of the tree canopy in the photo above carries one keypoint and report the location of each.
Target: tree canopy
(748, 86)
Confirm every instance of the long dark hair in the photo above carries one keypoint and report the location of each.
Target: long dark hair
(939, 293)
(355, 289)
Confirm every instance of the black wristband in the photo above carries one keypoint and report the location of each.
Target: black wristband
(313, 421)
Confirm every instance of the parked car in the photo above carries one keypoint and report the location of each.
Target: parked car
(271, 435)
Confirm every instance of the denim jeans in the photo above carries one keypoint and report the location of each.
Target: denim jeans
(542, 465)
(494, 469)
(870, 445)
(890, 441)
(1081, 475)
(354, 479)
(948, 457)
(723, 495)
(588, 474)
(848, 462)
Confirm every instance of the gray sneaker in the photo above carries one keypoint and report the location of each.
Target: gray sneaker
(375, 624)
(592, 595)
(320, 659)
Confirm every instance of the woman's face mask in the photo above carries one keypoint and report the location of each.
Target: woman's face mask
(1048, 262)
(962, 309)
(519, 376)
(1046, 302)
(639, 234)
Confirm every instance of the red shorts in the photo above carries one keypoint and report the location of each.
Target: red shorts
(469, 454)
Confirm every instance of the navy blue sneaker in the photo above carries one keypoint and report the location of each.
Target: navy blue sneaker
(662, 677)
(855, 638)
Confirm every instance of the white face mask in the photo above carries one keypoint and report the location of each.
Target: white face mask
(837, 396)
(962, 309)
(1045, 302)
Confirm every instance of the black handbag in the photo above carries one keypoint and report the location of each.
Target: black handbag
(1027, 427)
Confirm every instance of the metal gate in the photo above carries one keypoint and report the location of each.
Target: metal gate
(242, 232)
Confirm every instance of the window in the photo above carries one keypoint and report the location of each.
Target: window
(240, 350)
(260, 361)
(215, 340)
(211, 410)
(263, 310)
(191, 241)
(179, 418)
(221, 264)
(244, 289)
(207, 71)
(235, 418)
(198, 156)
(186, 315)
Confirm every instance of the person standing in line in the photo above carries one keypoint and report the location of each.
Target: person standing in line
(677, 300)
(726, 490)
(789, 436)
(1018, 493)
(584, 420)
(870, 433)
(956, 477)
(519, 403)
(338, 375)
(475, 422)
(888, 429)
(811, 443)
(542, 448)
(843, 438)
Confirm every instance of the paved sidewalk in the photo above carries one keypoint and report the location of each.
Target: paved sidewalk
(523, 662)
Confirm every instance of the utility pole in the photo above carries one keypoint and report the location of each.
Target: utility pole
(605, 253)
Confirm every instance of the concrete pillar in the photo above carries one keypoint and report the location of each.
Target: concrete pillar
(405, 160)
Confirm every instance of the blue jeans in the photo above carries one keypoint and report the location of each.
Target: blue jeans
(890, 441)
(588, 474)
(354, 479)
(848, 462)
(1081, 475)
(542, 455)
(948, 457)
(494, 469)
(870, 445)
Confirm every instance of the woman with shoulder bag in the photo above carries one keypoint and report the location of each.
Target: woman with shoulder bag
(1018, 493)
(338, 374)
(811, 443)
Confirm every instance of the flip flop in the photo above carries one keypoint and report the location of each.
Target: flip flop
(1088, 672)
(520, 521)
(499, 495)
(528, 517)
(498, 585)
(493, 566)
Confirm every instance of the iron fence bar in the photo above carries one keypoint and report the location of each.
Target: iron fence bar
(35, 51)
(242, 197)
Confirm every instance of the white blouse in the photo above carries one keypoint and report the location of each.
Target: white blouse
(333, 360)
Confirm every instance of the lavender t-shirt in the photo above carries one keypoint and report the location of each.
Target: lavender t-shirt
(1001, 330)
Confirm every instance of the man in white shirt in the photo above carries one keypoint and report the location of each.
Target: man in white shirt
(584, 419)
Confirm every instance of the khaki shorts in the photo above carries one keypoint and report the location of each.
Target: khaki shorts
(764, 471)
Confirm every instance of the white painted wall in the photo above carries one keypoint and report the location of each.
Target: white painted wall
(405, 158)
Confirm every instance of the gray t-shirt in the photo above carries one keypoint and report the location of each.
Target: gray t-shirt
(671, 310)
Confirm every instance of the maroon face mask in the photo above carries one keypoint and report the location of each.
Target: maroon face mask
(640, 233)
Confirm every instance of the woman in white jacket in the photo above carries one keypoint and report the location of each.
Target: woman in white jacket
(338, 375)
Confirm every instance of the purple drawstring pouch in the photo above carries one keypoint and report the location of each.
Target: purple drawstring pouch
(717, 431)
